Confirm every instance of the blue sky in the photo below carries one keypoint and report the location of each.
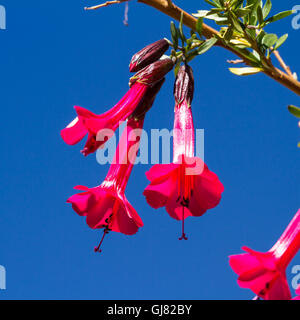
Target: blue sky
(54, 55)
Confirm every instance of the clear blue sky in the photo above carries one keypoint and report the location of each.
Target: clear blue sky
(54, 55)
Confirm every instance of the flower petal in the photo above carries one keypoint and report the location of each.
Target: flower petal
(74, 132)
(160, 171)
(158, 192)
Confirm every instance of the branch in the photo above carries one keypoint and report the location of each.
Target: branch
(175, 12)
(169, 8)
(282, 63)
(107, 3)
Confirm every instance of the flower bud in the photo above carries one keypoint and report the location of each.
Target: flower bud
(149, 54)
(184, 85)
(153, 73)
(148, 100)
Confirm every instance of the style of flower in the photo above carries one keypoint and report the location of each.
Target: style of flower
(185, 187)
(265, 273)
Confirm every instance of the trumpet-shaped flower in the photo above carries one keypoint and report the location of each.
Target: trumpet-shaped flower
(106, 206)
(101, 127)
(186, 187)
(265, 273)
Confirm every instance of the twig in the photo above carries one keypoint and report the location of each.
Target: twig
(107, 3)
(235, 61)
(126, 14)
(175, 12)
(286, 79)
(282, 63)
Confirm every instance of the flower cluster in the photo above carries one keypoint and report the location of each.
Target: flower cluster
(185, 187)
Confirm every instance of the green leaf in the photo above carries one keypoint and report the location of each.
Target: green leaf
(199, 26)
(267, 8)
(281, 41)
(236, 23)
(260, 16)
(176, 69)
(211, 3)
(242, 12)
(279, 16)
(294, 111)
(253, 14)
(206, 45)
(201, 13)
(269, 40)
(181, 34)
(245, 71)
(228, 34)
(174, 34)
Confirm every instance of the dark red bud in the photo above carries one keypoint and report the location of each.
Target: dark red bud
(148, 100)
(153, 73)
(184, 85)
(149, 54)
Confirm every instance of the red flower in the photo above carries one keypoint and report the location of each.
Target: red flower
(106, 206)
(265, 273)
(101, 127)
(186, 187)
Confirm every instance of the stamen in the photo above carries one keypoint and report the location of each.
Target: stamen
(105, 232)
(183, 236)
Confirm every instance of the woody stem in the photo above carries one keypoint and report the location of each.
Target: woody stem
(175, 12)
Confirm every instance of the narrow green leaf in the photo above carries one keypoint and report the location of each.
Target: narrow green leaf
(294, 111)
(236, 23)
(242, 12)
(267, 8)
(174, 34)
(199, 26)
(201, 13)
(206, 45)
(281, 41)
(279, 16)
(181, 34)
(211, 3)
(260, 16)
(245, 71)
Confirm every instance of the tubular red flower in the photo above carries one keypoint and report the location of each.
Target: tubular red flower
(186, 187)
(106, 206)
(265, 273)
(101, 127)
(148, 55)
